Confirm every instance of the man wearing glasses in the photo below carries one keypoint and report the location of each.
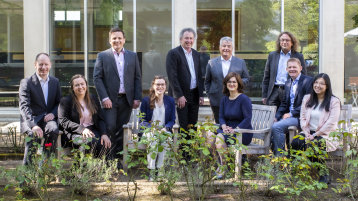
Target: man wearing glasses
(275, 74)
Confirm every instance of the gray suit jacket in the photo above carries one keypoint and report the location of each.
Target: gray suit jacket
(106, 77)
(270, 73)
(214, 77)
(32, 103)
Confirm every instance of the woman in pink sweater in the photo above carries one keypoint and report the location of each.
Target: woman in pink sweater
(319, 116)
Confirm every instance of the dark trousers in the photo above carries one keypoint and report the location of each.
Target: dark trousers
(277, 96)
(115, 118)
(50, 131)
(71, 140)
(299, 144)
(216, 110)
(188, 115)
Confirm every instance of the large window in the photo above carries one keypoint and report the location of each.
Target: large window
(350, 49)
(11, 50)
(154, 37)
(66, 39)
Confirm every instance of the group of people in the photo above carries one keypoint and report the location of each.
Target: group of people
(301, 100)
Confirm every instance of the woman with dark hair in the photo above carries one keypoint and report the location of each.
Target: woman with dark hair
(81, 117)
(319, 116)
(235, 112)
(159, 111)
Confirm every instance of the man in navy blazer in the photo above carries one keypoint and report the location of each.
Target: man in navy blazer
(288, 113)
(117, 77)
(216, 71)
(275, 74)
(185, 80)
(39, 96)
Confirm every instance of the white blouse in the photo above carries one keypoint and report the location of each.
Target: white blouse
(159, 114)
(314, 119)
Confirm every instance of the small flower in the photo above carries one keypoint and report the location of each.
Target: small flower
(48, 145)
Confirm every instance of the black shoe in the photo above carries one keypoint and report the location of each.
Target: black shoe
(325, 179)
(119, 165)
(244, 159)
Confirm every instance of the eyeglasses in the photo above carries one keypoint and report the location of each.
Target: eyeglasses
(285, 40)
(319, 83)
(231, 82)
(159, 85)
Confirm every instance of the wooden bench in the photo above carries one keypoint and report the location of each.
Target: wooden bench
(344, 125)
(130, 136)
(263, 117)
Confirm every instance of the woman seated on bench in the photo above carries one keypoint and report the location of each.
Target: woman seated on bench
(81, 117)
(235, 112)
(319, 116)
(159, 111)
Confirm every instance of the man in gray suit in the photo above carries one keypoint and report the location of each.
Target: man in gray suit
(218, 68)
(275, 74)
(117, 77)
(39, 96)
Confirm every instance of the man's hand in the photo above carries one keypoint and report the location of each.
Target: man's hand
(107, 104)
(264, 100)
(136, 104)
(181, 102)
(201, 101)
(309, 137)
(49, 117)
(87, 133)
(285, 116)
(105, 141)
(37, 131)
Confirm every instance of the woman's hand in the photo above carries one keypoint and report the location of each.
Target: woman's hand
(309, 137)
(227, 129)
(87, 133)
(105, 141)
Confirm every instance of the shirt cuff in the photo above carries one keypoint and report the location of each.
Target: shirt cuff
(105, 99)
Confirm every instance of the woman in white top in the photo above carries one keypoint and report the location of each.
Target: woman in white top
(159, 111)
(81, 117)
(319, 116)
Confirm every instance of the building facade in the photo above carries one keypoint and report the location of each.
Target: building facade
(74, 31)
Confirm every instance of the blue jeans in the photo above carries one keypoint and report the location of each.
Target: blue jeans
(279, 130)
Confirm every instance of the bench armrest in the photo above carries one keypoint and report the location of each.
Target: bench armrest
(240, 130)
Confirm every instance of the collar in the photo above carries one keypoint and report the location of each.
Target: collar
(122, 50)
(186, 52)
(42, 80)
(222, 58)
(288, 53)
(298, 77)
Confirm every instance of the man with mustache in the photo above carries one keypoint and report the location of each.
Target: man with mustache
(288, 113)
(216, 71)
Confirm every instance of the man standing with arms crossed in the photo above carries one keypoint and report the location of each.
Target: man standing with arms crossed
(117, 78)
(275, 75)
(185, 80)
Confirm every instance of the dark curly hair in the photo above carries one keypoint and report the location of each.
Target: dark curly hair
(293, 40)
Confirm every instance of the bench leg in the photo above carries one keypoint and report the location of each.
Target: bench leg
(238, 164)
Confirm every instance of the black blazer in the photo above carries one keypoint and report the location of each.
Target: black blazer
(270, 73)
(69, 118)
(32, 103)
(304, 87)
(179, 74)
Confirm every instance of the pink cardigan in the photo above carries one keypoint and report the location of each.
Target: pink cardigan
(327, 122)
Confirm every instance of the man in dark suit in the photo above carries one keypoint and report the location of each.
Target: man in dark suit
(204, 59)
(117, 78)
(218, 68)
(275, 74)
(288, 113)
(185, 81)
(39, 97)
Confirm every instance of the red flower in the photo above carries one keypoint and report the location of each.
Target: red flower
(48, 145)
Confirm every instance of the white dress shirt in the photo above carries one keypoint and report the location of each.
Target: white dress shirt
(189, 59)
(225, 65)
(44, 86)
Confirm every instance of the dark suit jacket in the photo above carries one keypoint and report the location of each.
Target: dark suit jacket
(179, 74)
(169, 104)
(304, 87)
(69, 118)
(204, 59)
(32, 103)
(214, 77)
(106, 77)
(270, 73)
